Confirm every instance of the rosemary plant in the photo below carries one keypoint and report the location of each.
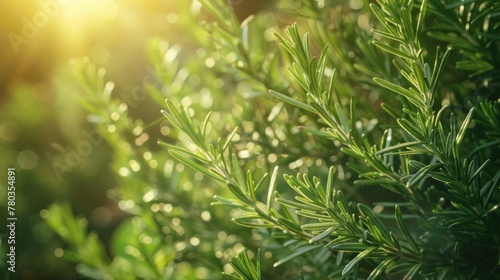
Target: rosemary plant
(358, 142)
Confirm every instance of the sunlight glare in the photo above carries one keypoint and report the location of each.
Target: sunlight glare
(82, 18)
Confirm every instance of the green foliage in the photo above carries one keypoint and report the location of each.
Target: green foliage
(377, 171)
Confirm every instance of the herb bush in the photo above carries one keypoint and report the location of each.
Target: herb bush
(319, 140)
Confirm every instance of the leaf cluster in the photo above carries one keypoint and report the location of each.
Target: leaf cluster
(314, 118)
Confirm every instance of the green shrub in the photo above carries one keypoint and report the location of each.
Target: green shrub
(359, 142)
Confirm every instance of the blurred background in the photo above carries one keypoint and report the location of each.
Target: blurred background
(41, 123)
